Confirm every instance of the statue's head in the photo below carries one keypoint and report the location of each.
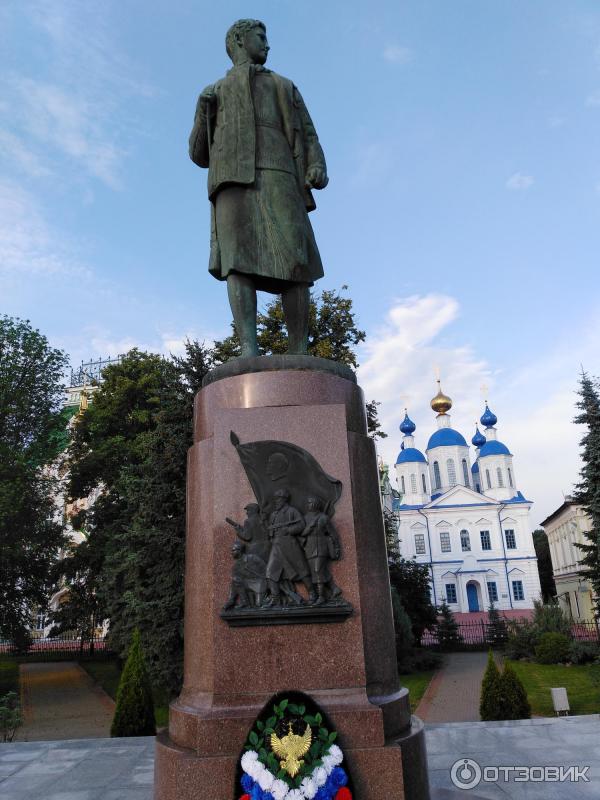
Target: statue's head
(277, 466)
(251, 509)
(281, 497)
(237, 550)
(313, 503)
(246, 40)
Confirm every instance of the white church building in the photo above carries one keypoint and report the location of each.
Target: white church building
(467, 520)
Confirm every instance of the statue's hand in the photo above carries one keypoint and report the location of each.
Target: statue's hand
(316, 178)
(207, 100)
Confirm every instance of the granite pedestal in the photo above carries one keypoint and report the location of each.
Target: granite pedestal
(348, 667)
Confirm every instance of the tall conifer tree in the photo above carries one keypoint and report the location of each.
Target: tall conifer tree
(588, 489)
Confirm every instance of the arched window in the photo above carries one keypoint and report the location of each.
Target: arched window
(488, 479)
(451, 472)
(500, 478)
(510, 483)
(413, 483)
(402, 484)
(465, 472)
(478, 488)
(424, 483)
(436, 475)
(465, 541)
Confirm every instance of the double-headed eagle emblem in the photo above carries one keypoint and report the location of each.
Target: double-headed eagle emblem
(291, 748)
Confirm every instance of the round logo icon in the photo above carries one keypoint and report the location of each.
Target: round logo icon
(465, 773)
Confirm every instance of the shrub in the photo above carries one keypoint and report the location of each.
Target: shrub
(134, 713)
(419, 659)
(10, 716)
(515, 704)
(583, 652)
(490, 691)
(550, 618)
(503, 696)
(553, 648)
(522, 639)
(446, 629)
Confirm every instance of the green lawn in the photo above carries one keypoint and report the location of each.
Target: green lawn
(9, 676)
(416, 683)
(581, 682)
(108, 673)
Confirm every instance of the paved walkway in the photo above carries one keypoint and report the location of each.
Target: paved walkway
(454, 692)
(86, 769)
(539, 742)
(61, 701)
(121, 769)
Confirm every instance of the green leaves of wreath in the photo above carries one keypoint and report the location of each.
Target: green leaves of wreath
(259, 740)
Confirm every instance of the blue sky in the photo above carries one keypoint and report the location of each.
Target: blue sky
(463, 207)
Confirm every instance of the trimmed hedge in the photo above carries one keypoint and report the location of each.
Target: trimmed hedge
(134, 714)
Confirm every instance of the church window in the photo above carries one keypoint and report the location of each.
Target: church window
(465, 541)
(465, 468)
(413, 483)
(510, 481)
(436, 475)
(500, 478)
(445, 541)
(424, 483)
(478, 488)
(451, 472)
(40, 621)
(492, 591)
(486, 542)
(511, 541)
(489, 480)
(451, 593)
(402, 484)
(419, 544)
(518, 593)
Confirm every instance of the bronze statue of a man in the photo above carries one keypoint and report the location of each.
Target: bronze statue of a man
(253, 132)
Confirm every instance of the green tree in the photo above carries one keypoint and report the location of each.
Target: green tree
(413, 582)
(588, 489)
(497, 631)
(514, 695)
(373, 424)
(490, 702)
(332, 330)
(402, 626)
(30, 535)
(446, 629)
(133, 560)
(10, 716)
(134, 711)
(544, 561)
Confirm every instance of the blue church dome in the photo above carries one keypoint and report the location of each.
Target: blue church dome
(407, 426)
(410, 454)
(494, 448)
(479, 439)
(446, 437)
(488, 418)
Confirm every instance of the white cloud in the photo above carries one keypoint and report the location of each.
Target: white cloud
(535, 404)
(396, 54)
(27, 244)
(81, 108)
(593, 99)
(556, 121)
(519, 182)
(58, 119)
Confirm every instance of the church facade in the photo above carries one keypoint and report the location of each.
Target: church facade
(466, 518)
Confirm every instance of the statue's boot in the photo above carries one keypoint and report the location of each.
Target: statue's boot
(242, 299)
(296, 305)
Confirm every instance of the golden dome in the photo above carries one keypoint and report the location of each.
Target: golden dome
(441, 403)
